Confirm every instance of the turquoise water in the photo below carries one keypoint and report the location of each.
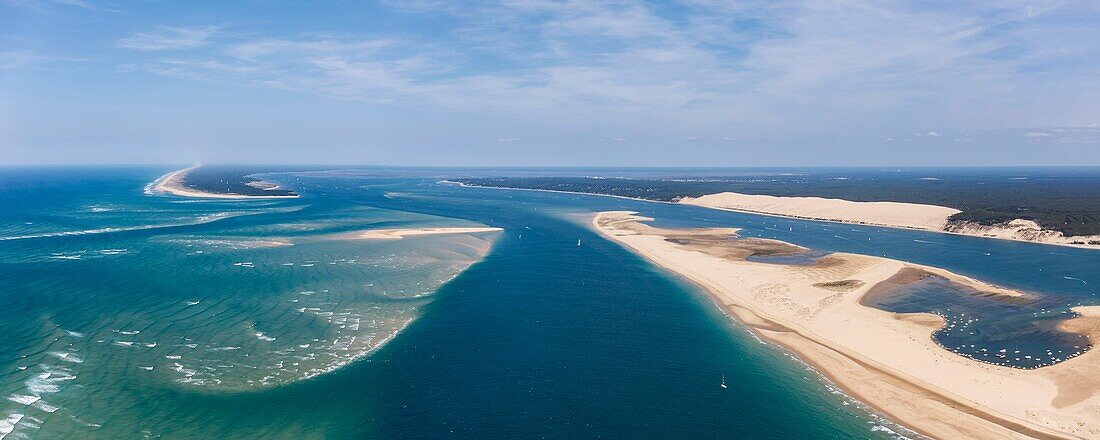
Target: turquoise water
(996, 331)
(275, 318)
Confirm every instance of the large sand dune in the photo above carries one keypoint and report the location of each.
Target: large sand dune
(894, 214)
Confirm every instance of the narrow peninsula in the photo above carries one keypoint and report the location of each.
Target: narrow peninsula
(216, 186)
(888, 360)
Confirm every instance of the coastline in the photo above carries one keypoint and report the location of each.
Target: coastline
(884, 359)
(971, 232)
(914, 216)
(172, 183)
(463, 185)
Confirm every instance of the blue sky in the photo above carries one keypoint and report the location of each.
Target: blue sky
(534, 82)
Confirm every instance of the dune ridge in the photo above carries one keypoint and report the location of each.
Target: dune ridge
(890, 214)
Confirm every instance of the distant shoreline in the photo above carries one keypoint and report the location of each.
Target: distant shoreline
(976, 231)
(887, 360)
(173, 183)
(899, 215)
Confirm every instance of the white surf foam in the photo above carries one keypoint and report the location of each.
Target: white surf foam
(23, 399)
(45, 406)
(67, 357)
(7, 425)
(197, 221)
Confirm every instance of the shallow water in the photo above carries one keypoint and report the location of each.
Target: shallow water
(996, 330)
(202, 296)
(540, 338)
(801, 258)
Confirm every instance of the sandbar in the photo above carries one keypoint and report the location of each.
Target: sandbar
(397, 234)
(173, 183)
(887, 360)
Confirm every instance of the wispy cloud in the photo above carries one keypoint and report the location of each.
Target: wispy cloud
(697, 63)
(77, 3)
(1088, 134)
(19, 59)
(170, 38)
(374, 70)
(42, 4)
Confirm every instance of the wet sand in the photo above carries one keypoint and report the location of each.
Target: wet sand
(397, 234)
(885, 359)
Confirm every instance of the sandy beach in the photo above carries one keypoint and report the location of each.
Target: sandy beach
(172, 183)
(890, 214)
(397, 234)
(885, 359)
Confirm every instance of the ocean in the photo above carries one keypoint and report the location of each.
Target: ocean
(132, 315)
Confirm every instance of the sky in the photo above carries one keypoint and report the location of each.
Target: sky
(553, 83)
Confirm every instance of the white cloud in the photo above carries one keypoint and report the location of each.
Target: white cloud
(170, 38)
(18, 59)
(1036, 135)
(761, 64)
(77, 3)
(41, 4)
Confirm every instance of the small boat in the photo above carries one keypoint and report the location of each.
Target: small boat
(578, 242)
(724, 381)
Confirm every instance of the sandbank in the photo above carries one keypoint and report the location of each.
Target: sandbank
(397, 234)
(172, 183)
(885, 359)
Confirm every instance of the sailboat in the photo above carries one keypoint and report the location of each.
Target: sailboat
(724, 381)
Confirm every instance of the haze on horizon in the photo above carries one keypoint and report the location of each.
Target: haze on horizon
(556, 83)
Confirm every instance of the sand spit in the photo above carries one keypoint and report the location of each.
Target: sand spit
(890, 214)
(397, 234)
(885, 359)
(172, 183)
